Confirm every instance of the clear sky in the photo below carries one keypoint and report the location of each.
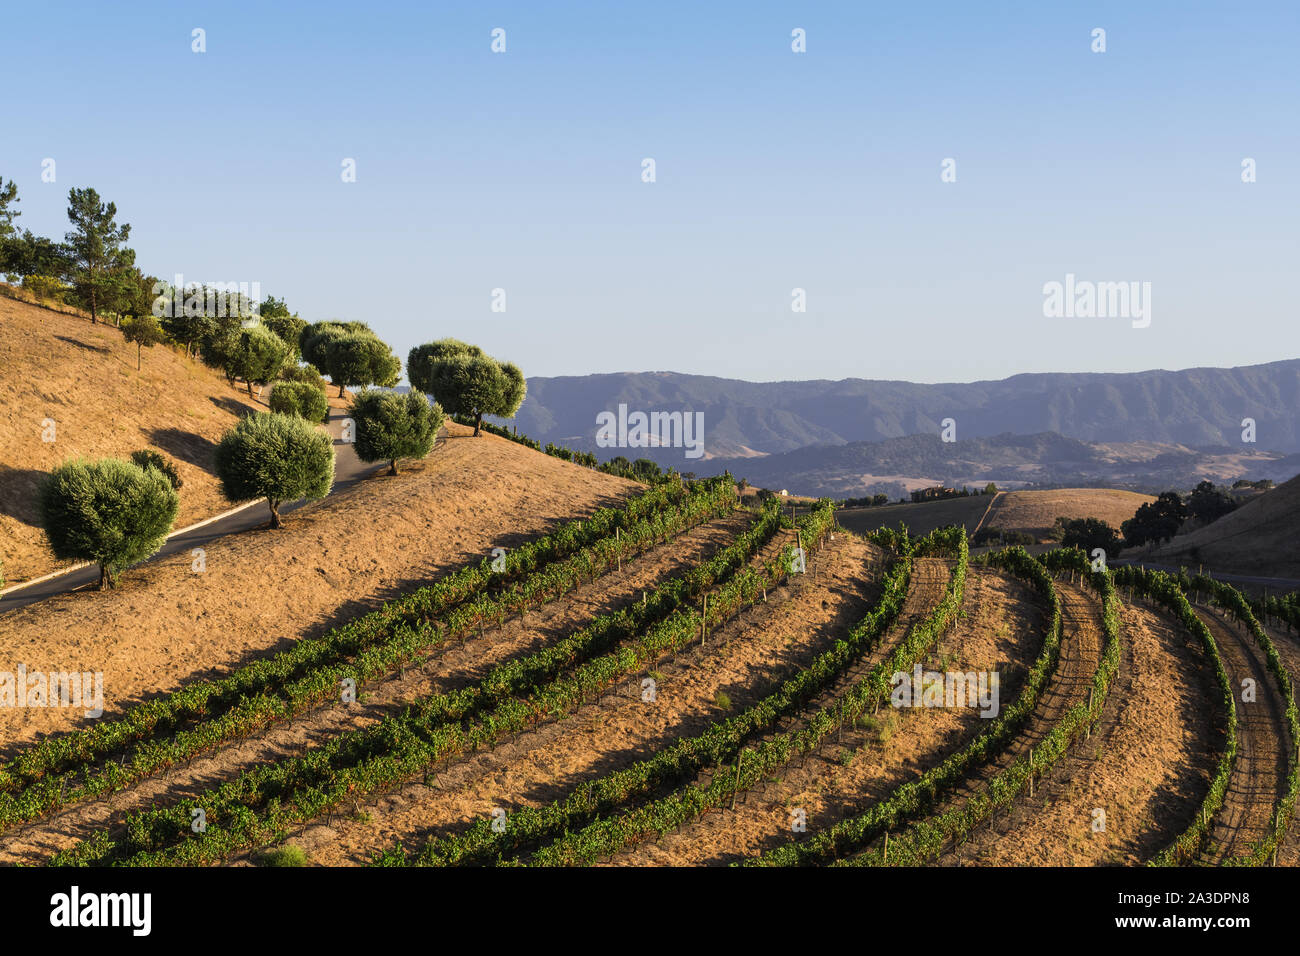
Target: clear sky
(774, 170)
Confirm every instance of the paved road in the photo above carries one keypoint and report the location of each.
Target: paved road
(348, 470)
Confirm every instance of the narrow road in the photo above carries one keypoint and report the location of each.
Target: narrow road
(348, 470)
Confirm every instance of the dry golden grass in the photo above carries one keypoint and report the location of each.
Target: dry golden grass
(83, 377)
(1259, 538)
(1034, 512)
(166, 625)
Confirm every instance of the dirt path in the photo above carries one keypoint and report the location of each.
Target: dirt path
(1001, 630)
(1259, 773)
(1288, 648)
(447, 669)
(743, 660)
(1146, 767)
(1080, 653)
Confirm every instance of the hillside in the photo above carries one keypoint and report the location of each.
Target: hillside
(1031, 512)
(334, 558)
(1034, 512)
(1262, 537)
(921, 517)
(83, 378)
(1200, 406)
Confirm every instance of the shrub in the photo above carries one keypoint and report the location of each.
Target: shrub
(314, 340)
(110, 511)
(46, 288)
(391, 426)
(300, 398)
(276, 457)
(288, 855)
(303, 373)
(148, 458)
(993, 535)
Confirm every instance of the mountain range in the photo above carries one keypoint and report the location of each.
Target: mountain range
(1193, 407)
(854, 436)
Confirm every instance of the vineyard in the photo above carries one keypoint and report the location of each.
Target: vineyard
(683, 681)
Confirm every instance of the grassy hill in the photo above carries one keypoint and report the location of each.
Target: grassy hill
(1031, 512)
(83, 378)
(333, 559)
(1262, 537)
(1034, 512)
(920, 517)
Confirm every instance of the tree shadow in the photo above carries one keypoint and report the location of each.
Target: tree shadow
(101, 349)
(232, 405)
(186, 446)
(19, 489)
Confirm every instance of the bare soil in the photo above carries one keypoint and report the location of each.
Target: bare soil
(1259, 772)
(447, 669)
(743, 660)
(1000, 630)
(1146, 765)
(264, 589)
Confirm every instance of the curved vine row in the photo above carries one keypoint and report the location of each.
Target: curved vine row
(259, 805)
(1167, 590)
(909, 801)
(483, 844)
(925, 839)
(154, 735)
(607, 836)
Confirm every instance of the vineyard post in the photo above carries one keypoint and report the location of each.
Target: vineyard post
(740, 758)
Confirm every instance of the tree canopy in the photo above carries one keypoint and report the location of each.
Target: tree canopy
(465, 380)
(96, 248)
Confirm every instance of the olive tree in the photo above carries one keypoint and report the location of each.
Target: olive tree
(256, 356)
(314, 340)
(390, 426)
(277, 457)
(112, 512)
(359, 359)
(465, 380)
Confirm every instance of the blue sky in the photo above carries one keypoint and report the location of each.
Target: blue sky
(775, 170)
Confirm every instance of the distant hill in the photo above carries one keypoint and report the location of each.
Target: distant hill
(899, 465)
(1193, 407)
(1259, 538)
